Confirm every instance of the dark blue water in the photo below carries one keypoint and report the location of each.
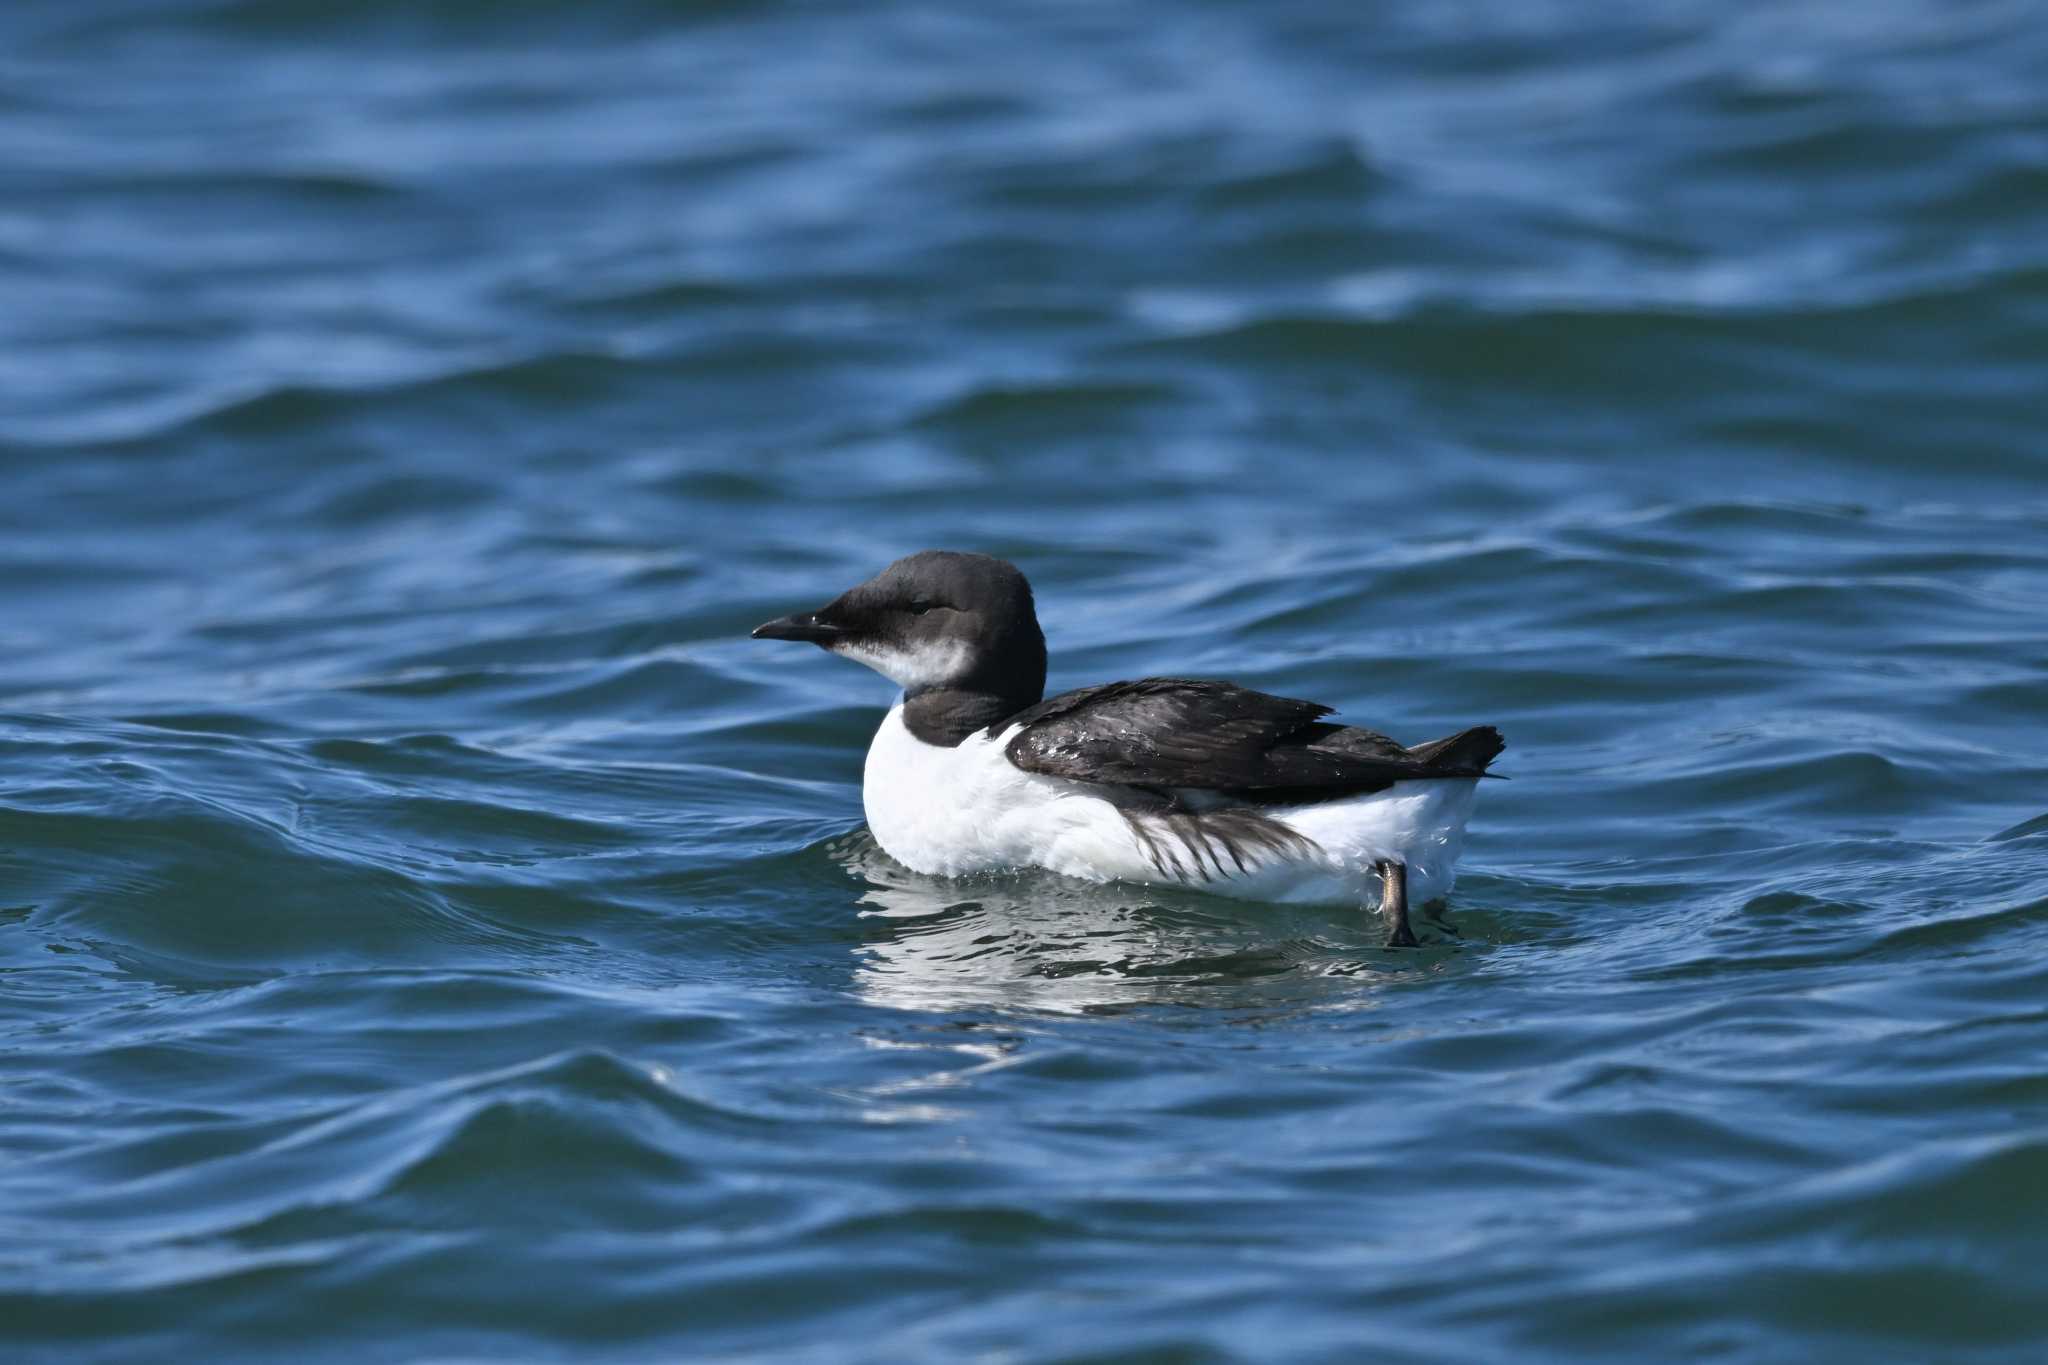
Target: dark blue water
(430, 929)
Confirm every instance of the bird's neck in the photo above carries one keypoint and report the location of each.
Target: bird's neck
(947, 715)
(1008, 674)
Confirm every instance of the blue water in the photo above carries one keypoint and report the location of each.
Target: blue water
(431, 930)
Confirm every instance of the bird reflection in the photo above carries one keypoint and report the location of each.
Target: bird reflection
(1039, 942)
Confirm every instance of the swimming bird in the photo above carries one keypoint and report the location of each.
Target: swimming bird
(1176, 781)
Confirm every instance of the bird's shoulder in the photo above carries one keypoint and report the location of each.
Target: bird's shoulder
(1181, 732)
(1157, 703)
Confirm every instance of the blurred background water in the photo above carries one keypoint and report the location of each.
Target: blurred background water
(431, 930)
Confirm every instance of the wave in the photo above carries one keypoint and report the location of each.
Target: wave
(439, 1155)
(1080, 405)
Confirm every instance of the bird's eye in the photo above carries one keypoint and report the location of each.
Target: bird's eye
(920, 607)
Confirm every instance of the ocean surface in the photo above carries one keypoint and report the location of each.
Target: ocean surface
(431, 930)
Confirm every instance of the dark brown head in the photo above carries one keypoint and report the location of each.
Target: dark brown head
(935, 620)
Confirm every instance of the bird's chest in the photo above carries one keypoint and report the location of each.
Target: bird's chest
(937, 809)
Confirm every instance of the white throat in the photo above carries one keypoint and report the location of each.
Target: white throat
(924, 665)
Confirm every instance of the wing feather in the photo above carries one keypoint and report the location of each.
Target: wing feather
(1182, 733)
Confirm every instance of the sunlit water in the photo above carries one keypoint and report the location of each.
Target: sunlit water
(432, 930)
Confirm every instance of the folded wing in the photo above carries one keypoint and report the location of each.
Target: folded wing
(1166, 734)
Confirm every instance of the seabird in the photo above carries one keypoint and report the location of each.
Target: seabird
(1175, 781)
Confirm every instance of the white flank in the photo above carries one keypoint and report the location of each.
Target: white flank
(952, 812)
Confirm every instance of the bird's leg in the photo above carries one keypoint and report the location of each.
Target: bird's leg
(1394, 904)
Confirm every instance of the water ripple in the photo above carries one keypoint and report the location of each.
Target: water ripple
(430, 928)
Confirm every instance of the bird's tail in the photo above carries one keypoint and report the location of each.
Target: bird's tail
(1464, 754)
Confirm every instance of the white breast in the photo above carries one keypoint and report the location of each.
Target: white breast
(967, 809)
